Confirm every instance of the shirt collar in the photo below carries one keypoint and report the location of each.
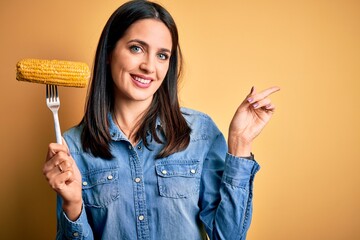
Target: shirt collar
(115, 132)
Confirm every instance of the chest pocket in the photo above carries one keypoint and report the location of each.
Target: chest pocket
(178, 178)
(99, 188)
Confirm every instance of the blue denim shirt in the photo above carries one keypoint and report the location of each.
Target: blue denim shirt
(201, 190)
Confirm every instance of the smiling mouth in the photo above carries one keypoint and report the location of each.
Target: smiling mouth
(141, 80)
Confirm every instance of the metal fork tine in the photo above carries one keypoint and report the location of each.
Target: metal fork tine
(52, 93)
(49, 86)
(53, 103)
(56, 93)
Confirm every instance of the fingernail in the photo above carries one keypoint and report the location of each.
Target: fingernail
(255, 105)
(252, 89)
(268, 106)
(250, 100)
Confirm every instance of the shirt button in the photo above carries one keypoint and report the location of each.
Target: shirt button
(110, 177)
(137, 180)
(85, 183)
(75, 234)
(130, 147)
(193, 171)
(141, 217)
(113, 134)
(139, 147)
(164, 172)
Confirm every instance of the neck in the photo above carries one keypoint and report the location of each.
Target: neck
(128, 116)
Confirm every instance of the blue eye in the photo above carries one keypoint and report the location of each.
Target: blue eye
(163, 56)
(135, 49)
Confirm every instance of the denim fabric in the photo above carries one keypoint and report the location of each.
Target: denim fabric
(185, 196)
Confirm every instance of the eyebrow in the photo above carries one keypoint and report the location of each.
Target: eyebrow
(147, 45)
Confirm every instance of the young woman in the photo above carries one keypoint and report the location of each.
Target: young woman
(140, 167)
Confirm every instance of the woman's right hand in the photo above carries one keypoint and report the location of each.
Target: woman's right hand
(63, 175)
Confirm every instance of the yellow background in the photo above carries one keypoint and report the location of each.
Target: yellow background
(308, 187)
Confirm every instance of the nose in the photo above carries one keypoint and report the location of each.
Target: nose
(148, 65)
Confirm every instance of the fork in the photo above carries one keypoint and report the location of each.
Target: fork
(53, 103)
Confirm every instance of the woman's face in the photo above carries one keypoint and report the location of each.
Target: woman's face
(140, 60)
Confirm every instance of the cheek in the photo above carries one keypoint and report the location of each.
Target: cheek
(115, 72)
(163, 71)
(122, 62)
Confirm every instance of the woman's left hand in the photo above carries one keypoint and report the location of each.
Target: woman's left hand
(250, 118)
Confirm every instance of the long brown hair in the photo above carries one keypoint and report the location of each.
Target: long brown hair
(95, 136)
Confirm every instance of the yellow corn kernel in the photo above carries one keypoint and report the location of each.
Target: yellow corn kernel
(54, 72)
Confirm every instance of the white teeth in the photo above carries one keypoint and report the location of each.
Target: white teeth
(144, 81)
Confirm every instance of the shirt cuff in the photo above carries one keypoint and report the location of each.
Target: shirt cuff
(251, 157)
(74, 229)
(239, 172)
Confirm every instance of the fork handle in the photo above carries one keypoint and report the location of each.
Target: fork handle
(57, 128)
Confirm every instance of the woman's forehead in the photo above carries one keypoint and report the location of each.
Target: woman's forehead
(151, 31)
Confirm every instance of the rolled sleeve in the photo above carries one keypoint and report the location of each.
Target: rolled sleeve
(238, 171)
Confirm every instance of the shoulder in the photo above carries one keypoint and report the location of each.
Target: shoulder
(73, 138)
(191, 114)
(199, 122)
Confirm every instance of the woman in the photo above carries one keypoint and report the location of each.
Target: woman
(140, 167)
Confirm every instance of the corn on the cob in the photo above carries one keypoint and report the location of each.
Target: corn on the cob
(54, 72)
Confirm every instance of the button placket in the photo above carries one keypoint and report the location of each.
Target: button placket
(139, 193)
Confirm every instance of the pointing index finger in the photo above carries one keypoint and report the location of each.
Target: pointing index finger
(267, 92)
